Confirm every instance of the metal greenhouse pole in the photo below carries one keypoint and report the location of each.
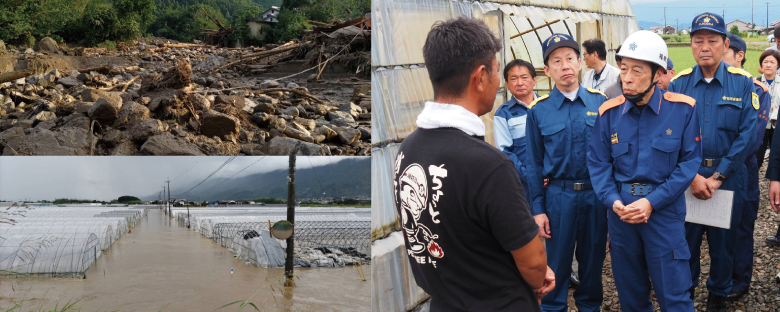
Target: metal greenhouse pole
(288, 261)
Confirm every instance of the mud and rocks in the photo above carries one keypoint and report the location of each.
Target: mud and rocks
(159, 98)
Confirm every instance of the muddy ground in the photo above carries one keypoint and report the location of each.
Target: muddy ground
(165, 98)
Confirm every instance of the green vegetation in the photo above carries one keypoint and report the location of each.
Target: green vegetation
(61, 201)
(103, 22)
(348, 202)
(268, 200)
(683, 58)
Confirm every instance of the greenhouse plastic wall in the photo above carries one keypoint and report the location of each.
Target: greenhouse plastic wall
(400, 88)
(47, 255)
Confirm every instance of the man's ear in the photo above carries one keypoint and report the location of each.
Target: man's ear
(479, 77)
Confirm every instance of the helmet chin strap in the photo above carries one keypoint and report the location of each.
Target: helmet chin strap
(636, 98)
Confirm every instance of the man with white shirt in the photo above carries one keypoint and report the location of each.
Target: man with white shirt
(469, 234)
(601, 75)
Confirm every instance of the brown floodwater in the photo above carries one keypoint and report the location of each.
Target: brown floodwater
(160, 266)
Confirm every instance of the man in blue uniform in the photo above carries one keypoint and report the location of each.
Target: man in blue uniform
(568, 212)
(509, 120)
(743, 248)
(728, 114)
(643, 154)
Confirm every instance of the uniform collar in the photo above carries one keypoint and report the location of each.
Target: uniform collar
(655, 102)
(559, 98)
(719, 74)
(514, 101)
(440, 115)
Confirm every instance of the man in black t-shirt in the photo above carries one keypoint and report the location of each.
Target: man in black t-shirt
(470, 237)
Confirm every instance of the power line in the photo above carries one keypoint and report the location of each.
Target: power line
(210, 175)
(228, 179)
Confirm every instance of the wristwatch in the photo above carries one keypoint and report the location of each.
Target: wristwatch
(719, 176)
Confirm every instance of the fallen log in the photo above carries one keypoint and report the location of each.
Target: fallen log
(251, 57)
(296, 91)
(182, 45)
(124, 86)
(11, 76)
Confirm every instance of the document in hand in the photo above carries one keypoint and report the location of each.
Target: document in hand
(715, 211)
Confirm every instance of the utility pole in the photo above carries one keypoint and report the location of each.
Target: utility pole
(751, 13)
(664, 31)
(188, 213)
(677, 29)
(767, 17)
(288, 261)
(169, 196)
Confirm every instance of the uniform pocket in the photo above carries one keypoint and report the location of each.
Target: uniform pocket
(665, 153)
(517, 126)
(555, 139)
(620, 157)
(681, 281)
(728, 116)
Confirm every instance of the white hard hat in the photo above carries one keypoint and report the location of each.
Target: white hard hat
(645, 45)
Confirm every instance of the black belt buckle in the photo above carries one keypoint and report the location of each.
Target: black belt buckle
(709, 162)
(579, 186)
(642, 188)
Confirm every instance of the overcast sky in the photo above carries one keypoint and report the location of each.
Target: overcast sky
(107, 178)
(685, 10)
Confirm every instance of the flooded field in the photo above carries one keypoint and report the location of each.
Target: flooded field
(160, 266)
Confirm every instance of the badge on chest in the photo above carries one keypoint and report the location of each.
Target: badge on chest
(614, 138)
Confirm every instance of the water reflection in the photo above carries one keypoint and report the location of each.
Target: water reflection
(161, 266)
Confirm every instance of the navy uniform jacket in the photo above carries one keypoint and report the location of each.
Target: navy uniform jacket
(753, 192)
(728, 115)
(557, 133)
(509, 132)
(659, 145)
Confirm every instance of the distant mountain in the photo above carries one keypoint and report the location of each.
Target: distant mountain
(646, 25)
(346, 178)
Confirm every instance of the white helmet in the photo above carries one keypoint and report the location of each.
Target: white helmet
(645, 45)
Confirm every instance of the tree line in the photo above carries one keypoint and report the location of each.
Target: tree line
(103, 22)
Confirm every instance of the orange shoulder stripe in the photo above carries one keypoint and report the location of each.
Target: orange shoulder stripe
(611, 104)
(679, 98)
(760, 84)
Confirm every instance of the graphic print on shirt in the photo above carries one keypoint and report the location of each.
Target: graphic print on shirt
(416, 197)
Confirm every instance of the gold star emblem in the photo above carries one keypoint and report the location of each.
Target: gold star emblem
(668, 131)
(557, 39)
(707, 19)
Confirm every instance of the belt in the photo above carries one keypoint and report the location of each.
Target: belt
(710, 162)
(571, 184)
(637, 189)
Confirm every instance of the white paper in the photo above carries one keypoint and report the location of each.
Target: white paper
(715, 211)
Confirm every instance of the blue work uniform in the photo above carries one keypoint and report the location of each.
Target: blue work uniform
(650, 152)
(728, 116)
(743, 249)
(557, 134)
(509, 134)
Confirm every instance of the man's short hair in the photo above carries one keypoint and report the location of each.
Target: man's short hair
(519, 62)
(618, 58)
(767, 53)
(735, 50)
(596, 45)
(453, 48)
(777, 32)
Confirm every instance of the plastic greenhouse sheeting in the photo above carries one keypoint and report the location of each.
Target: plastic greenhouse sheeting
(384, 219)
(51, 255)
(104, 232)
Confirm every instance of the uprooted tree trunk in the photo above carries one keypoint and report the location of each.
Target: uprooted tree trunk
(176, 77)
(251, 57)
(11, 76)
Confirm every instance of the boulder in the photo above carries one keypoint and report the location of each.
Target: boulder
(68, 82)
(112, 138)
(130, 113)
(125, 148)
(199, 102)
(349, 136)
(236, 101)
(92, 95)
(291, 111)
(141, 130)
(219, 124)
(167, 144)
(269, 84)
(283, 146)
(47, 45)
(261, 119)
(351, 109)
(263, 107)
(103, 111)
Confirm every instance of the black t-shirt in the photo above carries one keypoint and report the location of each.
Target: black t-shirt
(463, 210)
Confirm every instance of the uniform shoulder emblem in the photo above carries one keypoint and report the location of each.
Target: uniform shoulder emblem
(760, 84)
(615, 102)
(679, 98)
(596, 91)
(537, 100)
(754, 101)
(739, 71)
(682, 73)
